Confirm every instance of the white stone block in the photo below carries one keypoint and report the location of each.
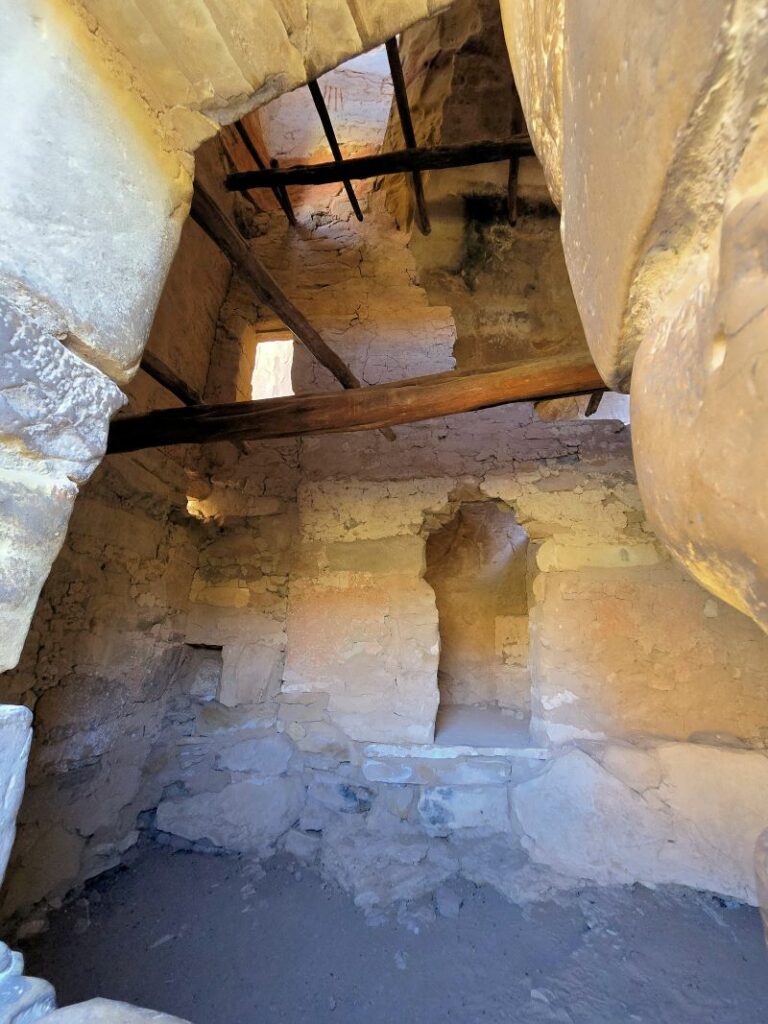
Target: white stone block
(15, 740)
(445, 809)
(107, 1011)
(697, 826)
(245, 816)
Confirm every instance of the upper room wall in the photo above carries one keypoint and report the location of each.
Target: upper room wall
(109, 102)
(507, 284)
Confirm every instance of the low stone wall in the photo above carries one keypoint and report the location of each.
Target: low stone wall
(391, 822)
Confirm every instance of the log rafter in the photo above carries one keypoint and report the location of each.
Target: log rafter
(223, 232)
(400, 161)
(372, 408)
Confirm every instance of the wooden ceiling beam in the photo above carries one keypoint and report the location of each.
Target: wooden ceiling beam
(325, 119)
(220, 228)
(280, 193)
(383, 405)
(401, 161)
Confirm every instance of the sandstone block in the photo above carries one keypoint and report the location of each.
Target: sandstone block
(264, 757)
(245, 817)
(445, 809)
(698, 826)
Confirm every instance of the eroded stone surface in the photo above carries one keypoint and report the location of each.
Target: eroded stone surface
(663, 250)
(107, 1011)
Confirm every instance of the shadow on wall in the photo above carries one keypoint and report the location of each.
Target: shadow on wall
(477, 564)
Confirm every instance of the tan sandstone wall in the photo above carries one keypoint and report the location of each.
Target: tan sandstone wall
(631, 724)
(310, 730)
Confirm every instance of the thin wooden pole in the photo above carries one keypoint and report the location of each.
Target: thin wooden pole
(594, 402)
(330, 134)
(383, 405)
(404, 110)
(280, 193)
(402, 160)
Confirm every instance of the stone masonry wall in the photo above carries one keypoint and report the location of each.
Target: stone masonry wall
(251, 662)
(646, 755)
(117, 97)
(105, 668)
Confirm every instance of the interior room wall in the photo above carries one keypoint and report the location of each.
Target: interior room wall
(239, 650)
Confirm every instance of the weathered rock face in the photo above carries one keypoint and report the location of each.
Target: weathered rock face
(15, 738)
(654, 815)
(665, 250)
(534, 34)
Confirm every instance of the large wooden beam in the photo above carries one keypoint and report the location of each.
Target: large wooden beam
(383, 405)
(224, 233)
(402, 160)
(409, 137)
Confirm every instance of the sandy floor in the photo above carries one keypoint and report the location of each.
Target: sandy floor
(210, 940)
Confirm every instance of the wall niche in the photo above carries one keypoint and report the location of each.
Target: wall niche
(477, 565)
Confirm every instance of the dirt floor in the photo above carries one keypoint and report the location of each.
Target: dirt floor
(216, 941)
